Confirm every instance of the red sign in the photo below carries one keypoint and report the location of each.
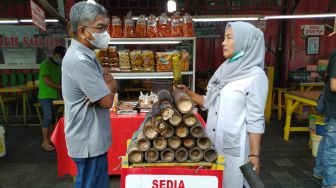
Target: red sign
(38, 16)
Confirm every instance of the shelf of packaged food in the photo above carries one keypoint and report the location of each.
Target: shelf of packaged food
(146, 75)
(175, 40)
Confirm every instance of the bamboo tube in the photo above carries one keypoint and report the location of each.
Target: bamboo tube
(150, 132)
(151, 155)
(142, 143)
(155, 111)
(160, 143)
(203, 143)
(210, 155)
(181, 131)
(195, 154)
(167, 110)
(174, 142)
(197, 131)
(182, 101)
(169, 132)
(176, 119)
(189, 143)
(160, 125)
(167, 155)
(189, 119)
(181, 155)
(164, 94)
(134, 154)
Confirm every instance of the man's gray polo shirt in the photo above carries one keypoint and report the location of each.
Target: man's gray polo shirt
(87, 127)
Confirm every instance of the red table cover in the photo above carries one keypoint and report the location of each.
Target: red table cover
(122, 127)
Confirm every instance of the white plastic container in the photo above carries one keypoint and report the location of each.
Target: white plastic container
(315, 143)
(2, 142)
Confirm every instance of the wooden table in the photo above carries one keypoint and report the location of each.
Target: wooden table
(23, 89)
(306, 86)
(293, 99)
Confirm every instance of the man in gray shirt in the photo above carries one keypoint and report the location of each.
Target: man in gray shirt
(88, 93)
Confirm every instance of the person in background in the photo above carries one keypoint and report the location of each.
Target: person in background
(88, 93)
(235, 99)
(325, 166)
(49, 90)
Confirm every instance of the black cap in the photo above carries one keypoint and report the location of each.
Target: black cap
(60, 50)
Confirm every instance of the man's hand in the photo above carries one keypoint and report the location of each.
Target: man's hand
(107, 76)
(255, 163)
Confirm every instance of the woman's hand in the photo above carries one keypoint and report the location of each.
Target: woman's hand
(185, 89)
(255, 163)
(199, 99)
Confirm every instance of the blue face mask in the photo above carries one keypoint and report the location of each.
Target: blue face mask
(237, 56)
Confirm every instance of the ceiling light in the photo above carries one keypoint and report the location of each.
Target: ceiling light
(299, 16)
(223, 19)
(51, 20)
(26, 21)
(145, 42)
(171, 6)
(9, 21)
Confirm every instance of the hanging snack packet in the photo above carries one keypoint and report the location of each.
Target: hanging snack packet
(188, 27)
(116, 30)
(164, 26)
(128, 26)
(152, 27)
(140, 28)
(176, 25)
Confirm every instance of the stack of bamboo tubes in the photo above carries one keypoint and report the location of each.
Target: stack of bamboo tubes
(171, 133)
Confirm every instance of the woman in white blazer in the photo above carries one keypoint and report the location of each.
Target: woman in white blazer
(235, 100)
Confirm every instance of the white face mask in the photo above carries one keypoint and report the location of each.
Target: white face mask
(57, 60)
(101, 40)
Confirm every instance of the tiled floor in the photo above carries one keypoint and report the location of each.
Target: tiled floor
(284, 164)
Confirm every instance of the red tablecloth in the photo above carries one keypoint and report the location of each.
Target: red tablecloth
(122, 127)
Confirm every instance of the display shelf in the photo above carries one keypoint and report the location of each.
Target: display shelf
(176, 41)
(146, 75)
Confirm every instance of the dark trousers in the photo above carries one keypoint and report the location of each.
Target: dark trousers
(92, 172)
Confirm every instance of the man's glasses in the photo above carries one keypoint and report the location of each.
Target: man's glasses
(101, 28)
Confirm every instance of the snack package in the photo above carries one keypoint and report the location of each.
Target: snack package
(140, 28)
(187, 25)
(176, 26)
(136, 60)
(163, 61)
(116, 30)
(164, 27)
(124, 61)
(152, 27)
(128, 27)
(176, 63)
(103, 52)
(112, 52)
(185, 60)
(148, 61)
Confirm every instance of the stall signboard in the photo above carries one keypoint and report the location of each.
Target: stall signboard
(170, 181)
(25, 47)
(217, 29)
(313, 30)
(38, 16)
(171, 178)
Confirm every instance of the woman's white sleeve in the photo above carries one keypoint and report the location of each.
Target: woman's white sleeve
(256, 97)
